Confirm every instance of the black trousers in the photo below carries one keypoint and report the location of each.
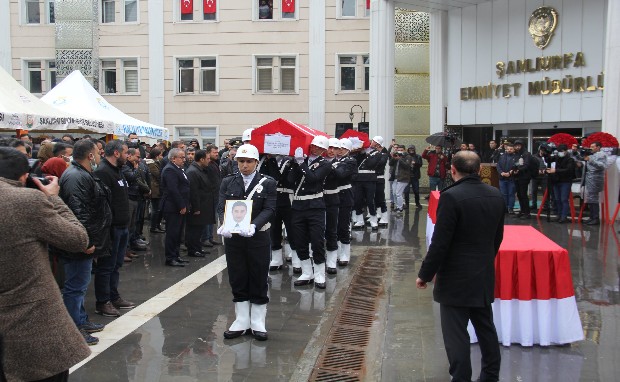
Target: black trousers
(248, 266)
(380, 195)
(308, 228)
(344, 225)
(174, 229)
(61, 377)
(193, 232)
(456, 340)
(331, 228)
(524, 202)
(282, 215)
(364, 193)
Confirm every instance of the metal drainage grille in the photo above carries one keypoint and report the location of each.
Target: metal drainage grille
(343, 356)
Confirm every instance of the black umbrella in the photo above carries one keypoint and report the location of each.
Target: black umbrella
(443, 139)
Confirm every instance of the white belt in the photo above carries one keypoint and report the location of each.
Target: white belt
(308, 197)
(380, 176)
(285, 190)
(265, 227)
(345, 187)
(331, 192)
(366, 171)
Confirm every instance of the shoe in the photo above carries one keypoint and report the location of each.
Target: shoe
(119, 303)
(511, 211)
(593, 222)
(296, 271)
(214, 242)
(106, 310)
(206, 243)
(427, 197)
(331, 271)
(259, 336)
(142, 242)
(131, 255)
(90, 340)
(276, 267)
(135, 246)
(230, 334)
(157, 230)
(91, 327)
(174, 263)
(182, 261)
(197, 254)
(127, 259)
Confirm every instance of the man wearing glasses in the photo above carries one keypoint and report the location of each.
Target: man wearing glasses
(174, 204)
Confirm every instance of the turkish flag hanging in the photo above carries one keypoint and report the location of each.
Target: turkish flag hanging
(288, 6)
(367, 4)
(187, 6)
(210, 6)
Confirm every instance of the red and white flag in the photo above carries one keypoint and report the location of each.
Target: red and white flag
(187, 6)
(367, 4)
(288, 6)
(210, 6)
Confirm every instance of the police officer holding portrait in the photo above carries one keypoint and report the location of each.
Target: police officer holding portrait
(248, 252)
(308, 210)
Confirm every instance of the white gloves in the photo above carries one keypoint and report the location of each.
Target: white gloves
(249, 232)
(335, 164)
(224, 232)
(299, 155)
(368, 150)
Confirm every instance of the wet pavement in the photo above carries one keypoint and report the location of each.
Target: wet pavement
(184, 341)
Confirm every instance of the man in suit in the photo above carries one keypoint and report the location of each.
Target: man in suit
(467, 236)
(202, 199)
(175, 204)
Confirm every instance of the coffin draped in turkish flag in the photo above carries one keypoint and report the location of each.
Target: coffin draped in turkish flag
(356, 136)
(283, 137)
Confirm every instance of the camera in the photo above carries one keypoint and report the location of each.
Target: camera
(584, 152)
(31, 184)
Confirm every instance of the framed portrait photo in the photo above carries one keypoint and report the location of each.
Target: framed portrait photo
(237, 215)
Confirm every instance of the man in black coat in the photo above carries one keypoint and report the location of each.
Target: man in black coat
(467, 236)
(175, 204)
(202, 194)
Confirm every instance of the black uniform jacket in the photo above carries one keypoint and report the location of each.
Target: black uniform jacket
(263, 200)
(285, 187)
(175, 189)
(330, 193)
(367, 165)
(467, 236)
(308, 179)
(346, 169)
(201, 196)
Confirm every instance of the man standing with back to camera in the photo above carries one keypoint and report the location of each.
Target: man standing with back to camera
(467, 236)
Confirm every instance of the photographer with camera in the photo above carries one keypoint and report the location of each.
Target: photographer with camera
(524, 168)
(594, 180)
(401, 161)
(561, 174)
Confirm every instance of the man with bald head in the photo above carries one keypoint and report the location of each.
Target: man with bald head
(467, 236)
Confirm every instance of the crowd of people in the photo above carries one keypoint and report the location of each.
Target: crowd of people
(303, 209)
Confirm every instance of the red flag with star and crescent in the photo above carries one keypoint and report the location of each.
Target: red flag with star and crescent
(288, 6)
(367, 4)
(209, 6)
(187, 6)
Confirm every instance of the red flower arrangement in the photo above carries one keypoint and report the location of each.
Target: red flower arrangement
(563, 138)
(606, 139)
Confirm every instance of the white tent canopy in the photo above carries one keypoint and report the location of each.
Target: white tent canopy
(19, 109)
(76, 93)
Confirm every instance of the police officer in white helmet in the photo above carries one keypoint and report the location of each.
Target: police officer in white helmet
(248, 252)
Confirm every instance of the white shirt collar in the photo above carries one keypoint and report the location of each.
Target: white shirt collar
(247, 179)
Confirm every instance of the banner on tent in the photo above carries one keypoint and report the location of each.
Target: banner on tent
(143, 131)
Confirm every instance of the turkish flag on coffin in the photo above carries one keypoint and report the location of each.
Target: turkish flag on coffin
(210, 6)
(187, 6)
(288, 6)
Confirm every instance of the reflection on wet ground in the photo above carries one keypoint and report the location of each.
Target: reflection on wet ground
(185, 341)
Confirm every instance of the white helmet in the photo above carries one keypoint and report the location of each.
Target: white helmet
(346, 143)
(320, 141)
(378, 139)
(247, 135)
(247, 151)
(334, 142)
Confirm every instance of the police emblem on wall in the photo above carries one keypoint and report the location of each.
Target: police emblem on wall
(542, 24)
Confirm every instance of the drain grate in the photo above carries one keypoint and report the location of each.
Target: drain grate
(343, 356)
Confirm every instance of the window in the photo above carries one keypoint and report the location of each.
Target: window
(51, 74)
(51, 18)
(204, 135)
(209, 11)
(276, 74)
(107, 11)
(351, 68)
(265, 9)
(203, 69)
(353, 8)
(35, 78)
(120, 76)
(32, 12)
(131, 11)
